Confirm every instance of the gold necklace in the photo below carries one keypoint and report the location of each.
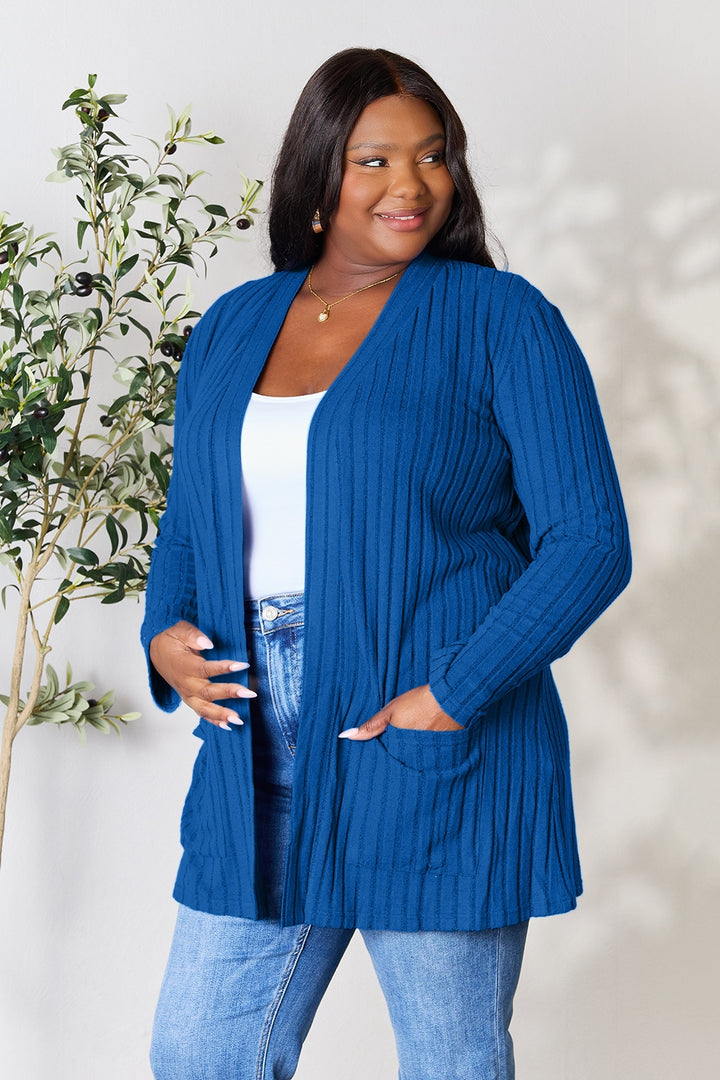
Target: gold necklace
(325, 313)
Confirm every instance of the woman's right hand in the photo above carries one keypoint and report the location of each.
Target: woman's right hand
(176, 655)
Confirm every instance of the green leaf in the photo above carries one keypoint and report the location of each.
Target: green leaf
(59, 176)
(92, 79)
(161, 473)
(126, 266)
(17, 295)
(12, 585)
(82, 226)
(114, 597)
(52, 680)
(62, 609)
(215, 208)
(140, 326)
(112, 532)
(214, 139)
(84, 556)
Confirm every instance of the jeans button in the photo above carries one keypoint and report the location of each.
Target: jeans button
(269, 612)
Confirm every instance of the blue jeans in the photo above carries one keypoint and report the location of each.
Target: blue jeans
(239, 995)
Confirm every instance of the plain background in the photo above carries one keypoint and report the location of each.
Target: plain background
(594, 141)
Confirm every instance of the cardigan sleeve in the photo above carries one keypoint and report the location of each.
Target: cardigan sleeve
(171, 594)
(547, 411)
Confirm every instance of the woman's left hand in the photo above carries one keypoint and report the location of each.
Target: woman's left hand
(415, 708)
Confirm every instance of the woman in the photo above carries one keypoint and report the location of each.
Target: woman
(393, 454)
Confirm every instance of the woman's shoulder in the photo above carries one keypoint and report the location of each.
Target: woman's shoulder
(250, 294)
(500, 286)
(234, 312)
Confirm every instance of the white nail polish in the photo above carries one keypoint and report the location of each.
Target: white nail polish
(236, 722)
(225, 727)
(204, 643)
(348, 733)
(238, 666)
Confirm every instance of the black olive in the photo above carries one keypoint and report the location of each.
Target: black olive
(187, 331)
(41, 413)
(177, 353)
(83, 278)
(171, 148)
(92, 702)
(106, 421)
(167, 348)
(3, 257)
(84, 109)
(83, 290)
(243, 223)
(103, 115)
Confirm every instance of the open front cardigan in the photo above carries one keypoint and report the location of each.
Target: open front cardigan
(464, 527)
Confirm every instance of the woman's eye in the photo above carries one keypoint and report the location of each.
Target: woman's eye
(435, 156)
(374, 163)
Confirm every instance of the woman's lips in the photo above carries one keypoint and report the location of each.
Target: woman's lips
(403, 220)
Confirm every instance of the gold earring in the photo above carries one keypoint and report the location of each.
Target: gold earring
(317, 226)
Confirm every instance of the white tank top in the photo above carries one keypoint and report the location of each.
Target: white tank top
(274, 465)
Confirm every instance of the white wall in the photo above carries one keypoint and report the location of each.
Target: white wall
(594, 133)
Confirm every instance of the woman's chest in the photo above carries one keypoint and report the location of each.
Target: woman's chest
(405, 400)
(308, 355)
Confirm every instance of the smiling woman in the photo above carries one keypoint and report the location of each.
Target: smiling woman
(393, 454)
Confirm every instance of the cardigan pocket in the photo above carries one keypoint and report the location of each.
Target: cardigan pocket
(441, 752)
(202, 825)
(421, 798)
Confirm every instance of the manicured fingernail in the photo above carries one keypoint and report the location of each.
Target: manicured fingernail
(225, 727)
(237, 665)
(204, 643)
(348, 733)
(242, 691)
(235, 721)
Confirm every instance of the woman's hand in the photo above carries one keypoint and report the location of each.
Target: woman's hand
(415, 708)
(176, 655)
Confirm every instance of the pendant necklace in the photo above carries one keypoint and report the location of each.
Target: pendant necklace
(325, 313)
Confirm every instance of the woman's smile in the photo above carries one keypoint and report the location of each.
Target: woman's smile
(403, 220)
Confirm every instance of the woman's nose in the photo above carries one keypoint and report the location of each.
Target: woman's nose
(406, 182)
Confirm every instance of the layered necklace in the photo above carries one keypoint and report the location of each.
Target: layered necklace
(325, 313)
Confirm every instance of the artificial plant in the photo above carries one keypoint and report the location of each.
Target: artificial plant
(83, 484)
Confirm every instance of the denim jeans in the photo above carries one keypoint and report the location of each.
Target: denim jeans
(239, 995)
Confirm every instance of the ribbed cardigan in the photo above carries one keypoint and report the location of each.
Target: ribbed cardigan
(464, 527)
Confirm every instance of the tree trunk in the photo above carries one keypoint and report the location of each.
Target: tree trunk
(14, 719)
(8, 737)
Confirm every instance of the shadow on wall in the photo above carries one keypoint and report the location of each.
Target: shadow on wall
(642, 293)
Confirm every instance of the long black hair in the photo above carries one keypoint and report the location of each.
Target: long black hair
(309, 169)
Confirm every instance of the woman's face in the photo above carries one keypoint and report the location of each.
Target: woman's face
(396, 191)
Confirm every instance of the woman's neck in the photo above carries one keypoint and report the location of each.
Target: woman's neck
(334, 276)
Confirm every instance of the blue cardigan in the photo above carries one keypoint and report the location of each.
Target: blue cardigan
(464, 527)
